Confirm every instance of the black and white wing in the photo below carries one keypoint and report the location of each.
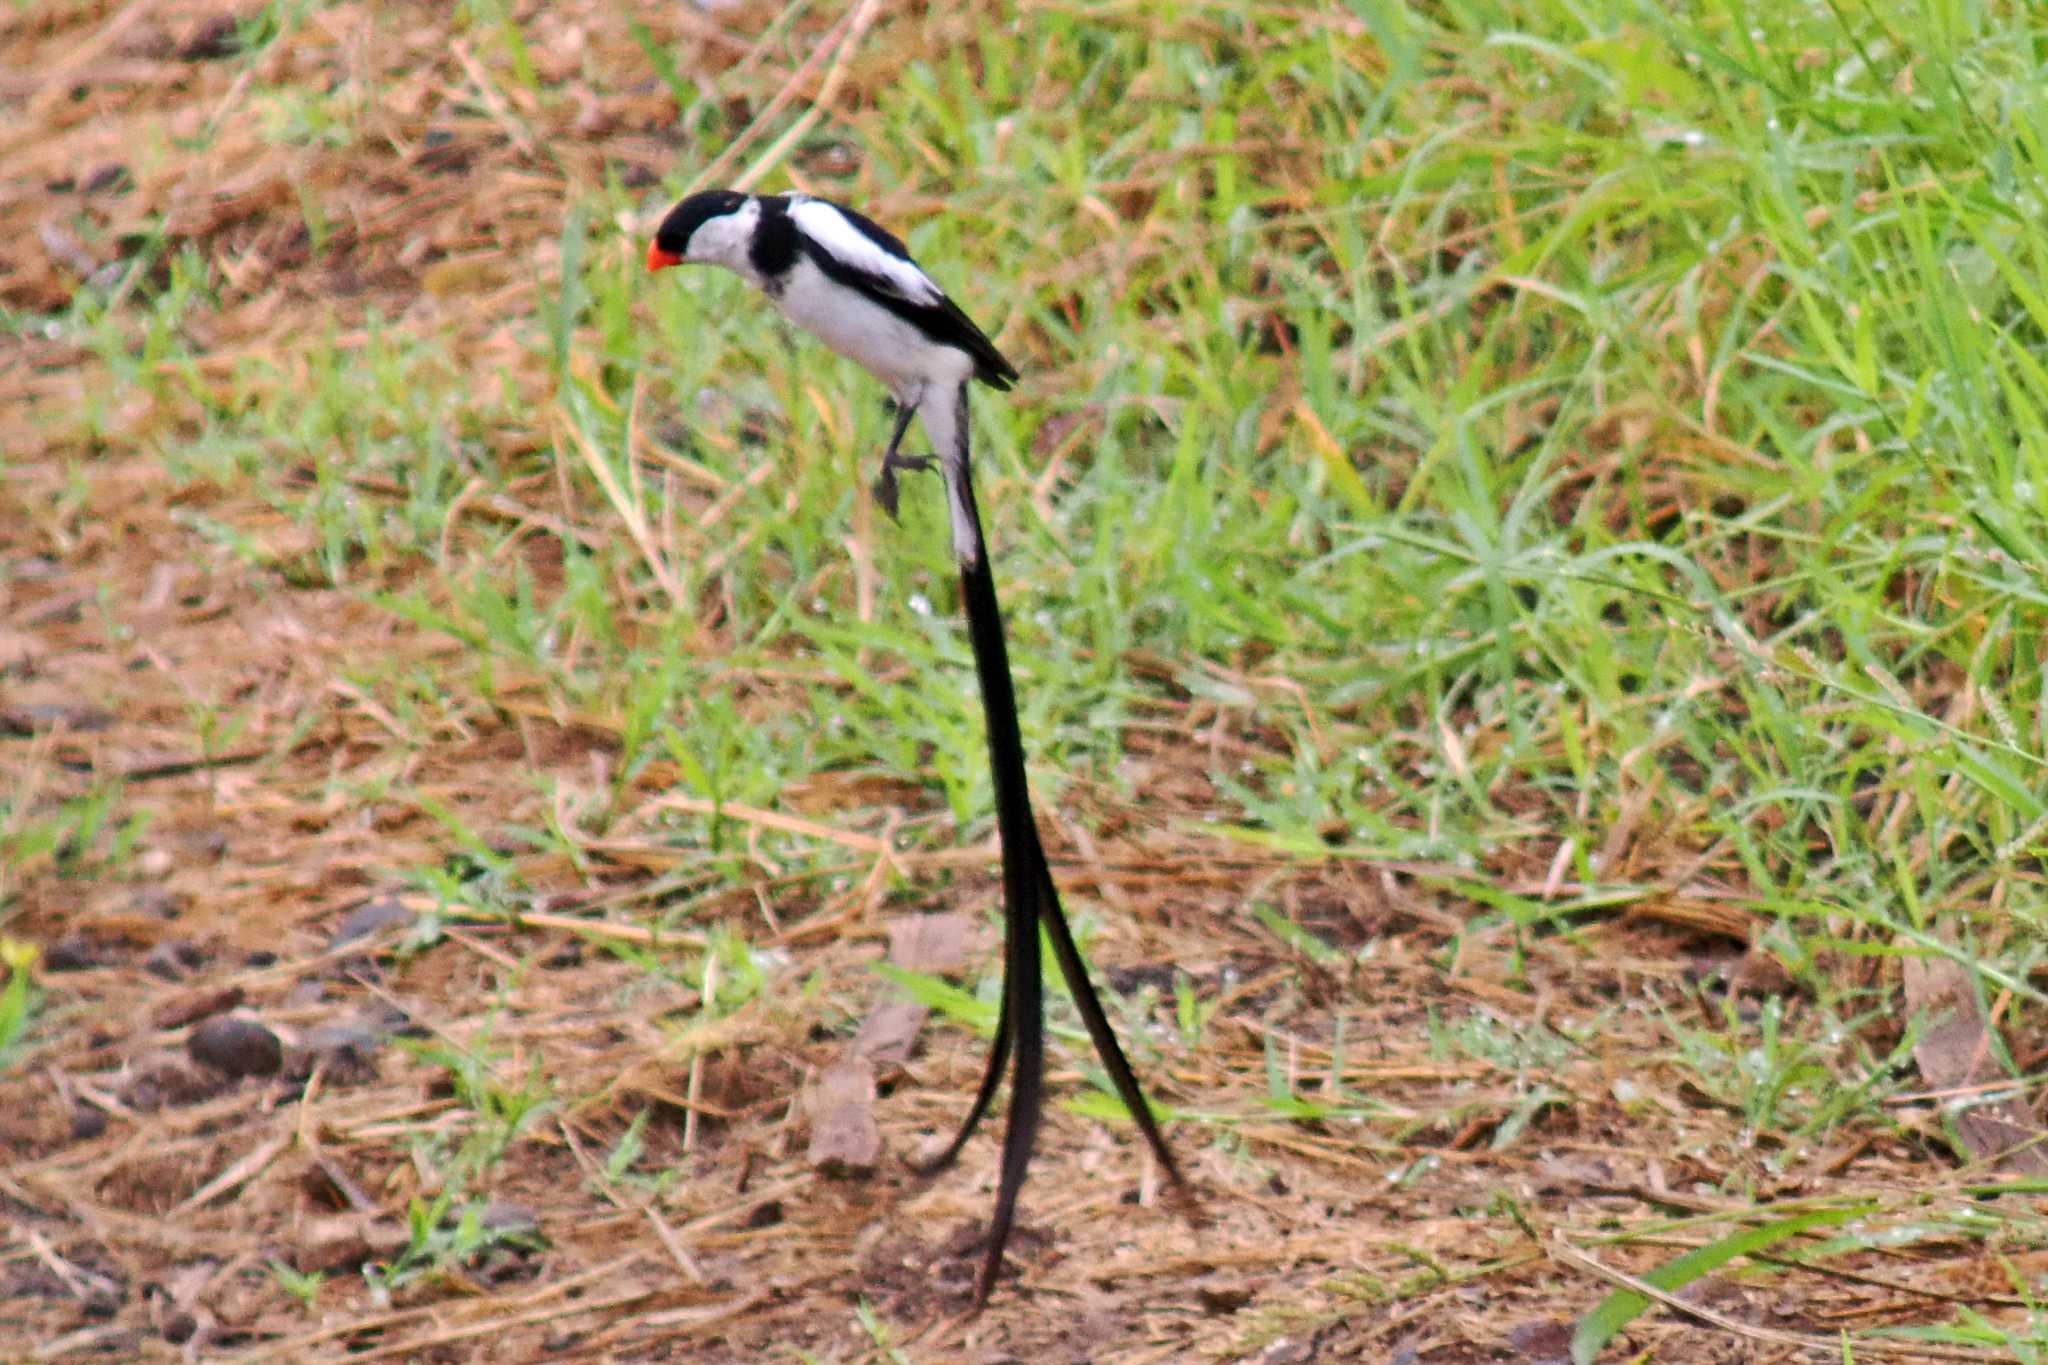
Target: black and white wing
(854, 250)
(860, 244)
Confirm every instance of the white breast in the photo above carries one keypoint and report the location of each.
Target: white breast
(870, 335)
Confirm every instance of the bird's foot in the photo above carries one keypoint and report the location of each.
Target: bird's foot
(885, 490)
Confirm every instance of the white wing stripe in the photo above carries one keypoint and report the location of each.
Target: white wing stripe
(822, 223)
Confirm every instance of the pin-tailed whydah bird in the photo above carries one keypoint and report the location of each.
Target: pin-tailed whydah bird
(851, 284)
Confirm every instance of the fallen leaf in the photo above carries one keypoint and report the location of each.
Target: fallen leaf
(889, 1034)
(1956, 1052)
(844, 1138)
(933, 944)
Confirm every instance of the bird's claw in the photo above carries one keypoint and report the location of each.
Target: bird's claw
(885, 489)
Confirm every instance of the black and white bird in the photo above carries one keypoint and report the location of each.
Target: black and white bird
(845, 280)
(851, 284)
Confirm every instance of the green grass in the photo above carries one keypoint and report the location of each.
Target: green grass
(1535, 420)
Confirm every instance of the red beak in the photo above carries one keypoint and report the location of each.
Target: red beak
(658, 259)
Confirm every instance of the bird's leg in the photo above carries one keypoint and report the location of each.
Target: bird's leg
(885, 483)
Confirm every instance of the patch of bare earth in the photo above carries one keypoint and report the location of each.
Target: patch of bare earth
(230, 1071)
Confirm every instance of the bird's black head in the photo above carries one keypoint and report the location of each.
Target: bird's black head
(671, 244)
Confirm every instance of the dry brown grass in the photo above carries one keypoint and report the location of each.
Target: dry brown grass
(145, 1199)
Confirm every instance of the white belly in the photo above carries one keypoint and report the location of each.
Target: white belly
(871, 336)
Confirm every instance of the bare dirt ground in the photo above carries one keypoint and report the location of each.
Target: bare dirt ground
(147, 1198)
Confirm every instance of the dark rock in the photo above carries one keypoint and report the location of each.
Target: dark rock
(71, 953)
(236, 1046)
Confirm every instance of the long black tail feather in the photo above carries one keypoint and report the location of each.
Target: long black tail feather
(991, 1077)
(1029, 899)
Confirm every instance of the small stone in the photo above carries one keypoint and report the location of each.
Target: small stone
(71, 953)
(87, 1123)
(173, 959)
(368, 918)
(236, 1045)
